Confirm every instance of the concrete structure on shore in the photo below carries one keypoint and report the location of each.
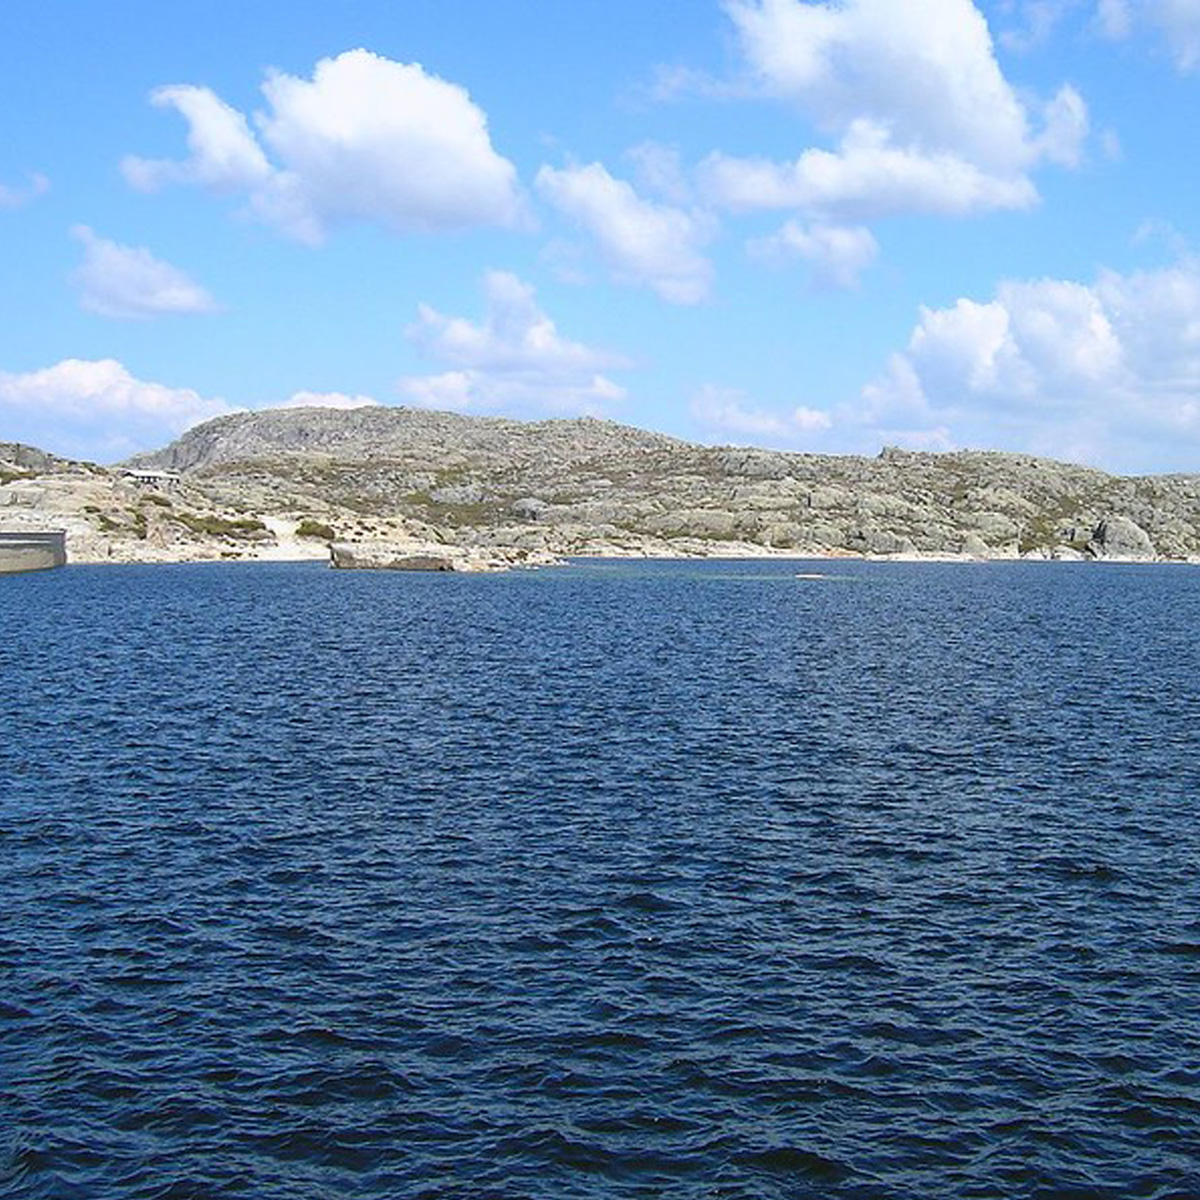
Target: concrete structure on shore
(30, 550)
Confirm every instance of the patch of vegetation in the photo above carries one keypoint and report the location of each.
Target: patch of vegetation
(483, 512)
(161, 501)
(309, 528)
(12, 474)
(1044, 531)
(214, 526)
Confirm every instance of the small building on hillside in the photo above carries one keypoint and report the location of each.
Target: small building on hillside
(164, 481)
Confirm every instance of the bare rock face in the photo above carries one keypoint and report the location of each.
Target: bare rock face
(876, 542)
(17, 459)
(425, 556)
(394, 557)
(386, 433)
(586, 487)
(473, 489)
(1120, 537)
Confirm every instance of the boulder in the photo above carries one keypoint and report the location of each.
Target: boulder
(1120, 537)
(529, 508)
(393, 556)
(872, 541)
(384, 555)
(458, 493)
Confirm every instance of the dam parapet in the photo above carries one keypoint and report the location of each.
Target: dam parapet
(32, 550)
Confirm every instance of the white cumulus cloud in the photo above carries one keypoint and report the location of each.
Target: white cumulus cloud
(922, 117)
(642, 241)
(1031, 22)
(97, 409)
(1107, 372)
(1114, 18)
(660, 171)
(514, 360)
(129, 282)
(365, 139)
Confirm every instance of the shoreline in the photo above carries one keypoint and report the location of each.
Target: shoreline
(723, 554)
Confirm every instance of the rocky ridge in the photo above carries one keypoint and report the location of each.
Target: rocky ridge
(287, 483)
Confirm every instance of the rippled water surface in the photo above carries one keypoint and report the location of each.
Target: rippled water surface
(657, 880)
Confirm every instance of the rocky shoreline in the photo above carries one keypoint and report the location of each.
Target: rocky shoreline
(475, 493)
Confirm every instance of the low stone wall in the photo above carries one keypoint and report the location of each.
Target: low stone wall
(29, 551)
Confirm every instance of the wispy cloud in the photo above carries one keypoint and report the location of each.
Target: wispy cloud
(724, 413)
(326, 400)
(513, 361)
(836, 254)
(641, 241)
(19, 195)
(1177, 22)
(129, 282)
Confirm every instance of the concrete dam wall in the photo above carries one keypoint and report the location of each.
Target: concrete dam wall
(30, 551)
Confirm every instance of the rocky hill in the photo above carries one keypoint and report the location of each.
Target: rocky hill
(588, 486)
(284, 483)
(380, 435)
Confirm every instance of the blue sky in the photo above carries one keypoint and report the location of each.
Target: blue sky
(825, 227)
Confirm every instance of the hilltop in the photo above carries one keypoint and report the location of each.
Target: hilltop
(284, 482)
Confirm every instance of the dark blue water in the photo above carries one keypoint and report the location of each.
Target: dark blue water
(618, 881)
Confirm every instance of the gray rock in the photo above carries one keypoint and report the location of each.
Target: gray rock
(879, 541)
(994, 528)
(414, 475)
(1119, 537)
(382, 555)
(459, 493)
(529, 508)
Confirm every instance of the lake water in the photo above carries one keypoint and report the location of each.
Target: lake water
(623, 880)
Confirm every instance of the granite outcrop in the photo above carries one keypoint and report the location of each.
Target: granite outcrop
(291, 483)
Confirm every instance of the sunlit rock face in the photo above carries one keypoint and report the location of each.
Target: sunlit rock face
(287, 483)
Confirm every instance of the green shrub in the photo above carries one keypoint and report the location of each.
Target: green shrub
(214, 526)
(315, 529)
